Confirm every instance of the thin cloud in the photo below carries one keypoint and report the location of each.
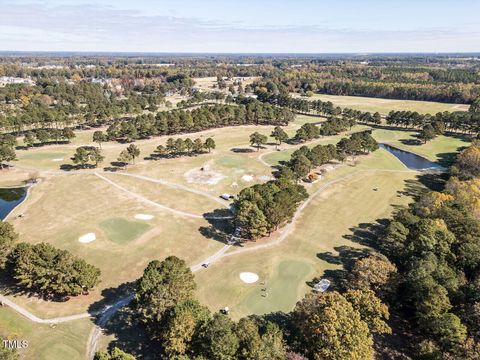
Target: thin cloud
(103, 28)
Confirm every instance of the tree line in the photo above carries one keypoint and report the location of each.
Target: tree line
(58, 104)
(263, 208)
(202, 118)
(179, 146)
(43, 269)
(427, 84)
(7, 148)
(434, 245)
(461, 121)
(329, 325)
(304, 159)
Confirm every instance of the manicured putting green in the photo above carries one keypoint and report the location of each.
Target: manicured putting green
(122, 231)
(282, 288)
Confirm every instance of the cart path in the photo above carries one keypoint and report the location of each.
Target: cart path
(172, 185)
(96, 332)
(161, 206)
(107, 312)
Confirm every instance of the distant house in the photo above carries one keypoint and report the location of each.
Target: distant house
(7, 80)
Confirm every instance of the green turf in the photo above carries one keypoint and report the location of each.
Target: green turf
(384, 106)
(45, 342)
(39, 156)
(442, 149)
(122, 231)
(282, 290)
(232, 161)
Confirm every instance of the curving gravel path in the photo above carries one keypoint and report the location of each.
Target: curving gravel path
(109, 311)
(173, 186)
(161, 206)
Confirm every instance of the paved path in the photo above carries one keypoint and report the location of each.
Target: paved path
(5, 301)
(109, 311)
(96, 332)
(107, 314)
(161, 206)
(173, 186)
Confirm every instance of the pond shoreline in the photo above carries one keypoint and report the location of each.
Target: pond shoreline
(27, 194)
(412, 160)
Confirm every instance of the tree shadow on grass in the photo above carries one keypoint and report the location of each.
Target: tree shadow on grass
(219, 230)
(242, 150)
(131, 335)
(8, 286)
(367, 233)
(70, 167)
(411, 142)
(112, 295)
(345, 258)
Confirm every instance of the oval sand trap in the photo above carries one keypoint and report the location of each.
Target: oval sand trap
(85, 239)
(57, 159)
(247, 178)
(143, 217)
(248, 277)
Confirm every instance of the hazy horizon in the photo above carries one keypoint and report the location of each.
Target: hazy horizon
(249, 27)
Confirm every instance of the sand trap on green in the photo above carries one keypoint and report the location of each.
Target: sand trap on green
(87, 238)
(248, 277)
(145, 217)
(122, 231)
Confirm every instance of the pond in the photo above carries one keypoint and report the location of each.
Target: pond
(411, 160)
(9, 198)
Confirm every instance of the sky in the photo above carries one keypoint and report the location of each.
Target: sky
(241, 26)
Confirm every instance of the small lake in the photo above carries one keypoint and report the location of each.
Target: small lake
(9, 198)
(411, 160)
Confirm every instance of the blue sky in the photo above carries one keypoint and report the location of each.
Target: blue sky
(311, 26)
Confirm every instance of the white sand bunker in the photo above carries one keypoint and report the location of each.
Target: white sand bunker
(203, 175)
(265, 178)
(248, 277)
(143, 217)
(87, 238)
(247, 178)
(57, 159)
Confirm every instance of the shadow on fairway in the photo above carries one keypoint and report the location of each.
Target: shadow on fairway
(242, 150)
(219, 230)
(112, 295)
(130, 335)
(346, 257)
(411, 142)
(366, 233)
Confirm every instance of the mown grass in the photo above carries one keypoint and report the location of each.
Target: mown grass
(384, 106)
(442, 149)
(324, 227)
(46, 342)
(122, 231)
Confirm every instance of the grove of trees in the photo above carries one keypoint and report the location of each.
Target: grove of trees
(43, 269)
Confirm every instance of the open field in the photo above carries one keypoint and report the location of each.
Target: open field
(285, 268)
(97, 207)
(441, 149)
(384, 106)
(66, 205)
(210, 83)
(45, 342)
